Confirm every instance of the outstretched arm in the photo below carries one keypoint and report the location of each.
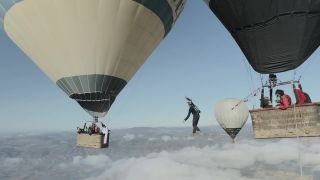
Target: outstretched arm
(188, 115)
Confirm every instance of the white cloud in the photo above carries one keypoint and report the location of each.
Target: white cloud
(221, 162)
(190, 138)
(175, 138)
(95, 161)
(152, 139)
(12, 161)
(164, 166)
(91, 160)
(166, 157)
(166, 138)
(129, 137)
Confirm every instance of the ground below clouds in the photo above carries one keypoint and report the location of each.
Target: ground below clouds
(157, 154)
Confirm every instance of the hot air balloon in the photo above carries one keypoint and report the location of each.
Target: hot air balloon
(274, 35)
(90, 49)
(231, 114)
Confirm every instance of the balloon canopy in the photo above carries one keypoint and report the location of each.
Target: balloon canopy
(274, 35)
(90, 49)
(231, 114)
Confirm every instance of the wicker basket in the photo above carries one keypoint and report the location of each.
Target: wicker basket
(92, 141)
(295, 121)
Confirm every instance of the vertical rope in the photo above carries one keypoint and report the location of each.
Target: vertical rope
(261, 79)
(249, 73)
(298, 138)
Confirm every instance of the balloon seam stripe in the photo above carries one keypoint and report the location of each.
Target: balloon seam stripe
(245, 27)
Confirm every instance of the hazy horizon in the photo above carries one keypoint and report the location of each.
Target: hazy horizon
(158, 153)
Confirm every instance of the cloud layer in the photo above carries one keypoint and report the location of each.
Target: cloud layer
(160, 153)
(245, 160)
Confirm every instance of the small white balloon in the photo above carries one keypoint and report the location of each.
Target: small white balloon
(231, 114)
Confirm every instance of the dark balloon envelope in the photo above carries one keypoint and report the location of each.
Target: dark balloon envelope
(274, 35)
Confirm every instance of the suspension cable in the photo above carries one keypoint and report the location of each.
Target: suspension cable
(306, 68)
(261, 79)
(297, 133)
(252, 84)
(252, 94)
(248, 70)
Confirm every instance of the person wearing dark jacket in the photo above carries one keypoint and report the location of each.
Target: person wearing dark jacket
(308, 99)
(196, 116)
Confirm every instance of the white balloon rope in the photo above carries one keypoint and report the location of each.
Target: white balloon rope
(252, 94)
(298, 138)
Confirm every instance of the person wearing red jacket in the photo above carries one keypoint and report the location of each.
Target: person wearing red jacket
(300, 96)
(285, 100)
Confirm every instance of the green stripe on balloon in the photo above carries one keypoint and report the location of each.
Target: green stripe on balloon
(162, 9)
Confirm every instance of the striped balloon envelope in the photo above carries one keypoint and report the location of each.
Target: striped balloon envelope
(89, 48)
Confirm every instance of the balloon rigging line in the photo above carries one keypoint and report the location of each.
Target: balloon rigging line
(247, 67)
(298, 139)
(252, 94)
(248, 72)
(261, 79)
(306, 68)
(251, 77)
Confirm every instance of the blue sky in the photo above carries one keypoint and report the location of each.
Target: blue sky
(198, 59)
